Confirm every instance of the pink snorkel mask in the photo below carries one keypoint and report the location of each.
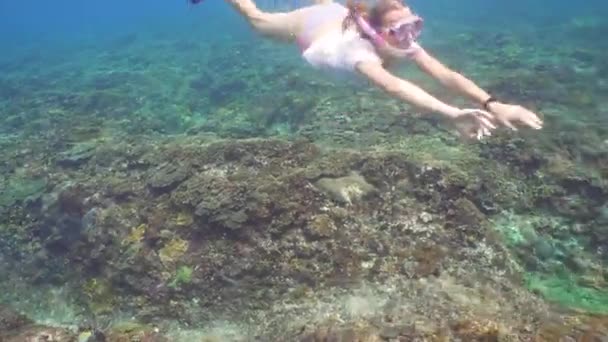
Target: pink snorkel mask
(405, 32)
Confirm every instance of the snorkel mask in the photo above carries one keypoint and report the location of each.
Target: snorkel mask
(405, 32)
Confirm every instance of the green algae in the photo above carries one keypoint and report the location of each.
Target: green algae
(564, 289)
(19, 189)
(554, 261)
(172, 251)
(100, 295)
(436, 151)
(517, 230)
(183, 276)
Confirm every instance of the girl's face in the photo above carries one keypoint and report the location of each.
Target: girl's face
(400, 26)
(398, 13)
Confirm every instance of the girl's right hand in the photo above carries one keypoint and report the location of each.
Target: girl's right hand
(473, 123)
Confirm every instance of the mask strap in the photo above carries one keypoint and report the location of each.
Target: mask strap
(370, 31)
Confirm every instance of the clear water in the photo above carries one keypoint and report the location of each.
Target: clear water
(80, 76)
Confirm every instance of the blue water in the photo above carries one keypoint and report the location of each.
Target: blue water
(24, 23)
(48, 28)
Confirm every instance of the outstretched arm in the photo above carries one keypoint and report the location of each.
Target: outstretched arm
(505, 113)
(450, 78)
(404, 90)
(470, 122)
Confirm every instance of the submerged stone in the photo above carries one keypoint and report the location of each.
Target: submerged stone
(15, 327)
(77, 155)
(346, 189)
(40, 333)
(19, 189)
(321, 226)
(168, 176)
(11, 320)
(134, 332)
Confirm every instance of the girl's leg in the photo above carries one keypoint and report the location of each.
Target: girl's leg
(282, 26)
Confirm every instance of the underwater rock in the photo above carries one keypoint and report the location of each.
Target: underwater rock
(15, 327)
(465, 213)
(341, 333)
(172, 251)
(91, 335)
(543, 249)
(244, 214)
(346, 189)
(127, 332)
(11, 320)
(321, 226)
(168, 176)
(112, 79)
(21, 189)
(603, 215)
(39, 333)
(215, 199)
(77, 155)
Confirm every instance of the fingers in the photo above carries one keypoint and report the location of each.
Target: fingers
(530, 120)
(533, 124)
(483, 117)
(481, 126)
(486, 115)
(486, 123)
(479, 112)
(533, 121)
(508, 124)
(480, 133)
(486, 119)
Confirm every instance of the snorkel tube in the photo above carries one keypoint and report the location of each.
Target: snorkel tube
(407, 37)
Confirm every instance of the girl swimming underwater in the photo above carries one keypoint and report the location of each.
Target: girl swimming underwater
(350, 38)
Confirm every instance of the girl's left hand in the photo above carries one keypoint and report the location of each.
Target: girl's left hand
(509, 115)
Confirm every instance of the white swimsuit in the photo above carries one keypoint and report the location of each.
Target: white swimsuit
(340, 50)
(337, 49)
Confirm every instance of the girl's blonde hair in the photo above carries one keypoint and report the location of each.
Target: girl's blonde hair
(373, 16)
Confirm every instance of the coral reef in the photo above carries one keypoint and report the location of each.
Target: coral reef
(261, 221)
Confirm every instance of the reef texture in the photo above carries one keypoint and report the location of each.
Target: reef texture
(259, 229)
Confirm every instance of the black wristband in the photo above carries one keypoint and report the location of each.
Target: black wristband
(487, 102)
